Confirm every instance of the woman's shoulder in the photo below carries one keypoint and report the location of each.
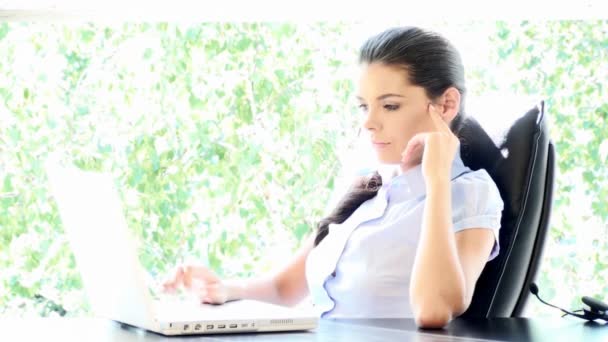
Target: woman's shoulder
(476, 182)
(469, 176)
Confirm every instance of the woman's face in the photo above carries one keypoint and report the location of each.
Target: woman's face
(394, 110)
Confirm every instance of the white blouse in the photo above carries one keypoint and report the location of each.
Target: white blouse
(362, 267)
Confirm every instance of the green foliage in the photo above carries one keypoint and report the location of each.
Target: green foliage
(218, 138)
(223, 142)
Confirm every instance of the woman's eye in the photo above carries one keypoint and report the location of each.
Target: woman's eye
(363, 107)
(391, 107)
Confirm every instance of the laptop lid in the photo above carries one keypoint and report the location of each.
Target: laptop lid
(105, 252)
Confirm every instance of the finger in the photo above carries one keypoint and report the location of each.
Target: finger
(206, 296)
(175, 281)
(210, 300)
(413, 151)
(213, 297)
(191, 273)
(412, 159)
(412, 155)
(168, 288)
(203, 273)
(438, 122)
(203, 297)
(203, 293)
(196, 277)
(418, 140)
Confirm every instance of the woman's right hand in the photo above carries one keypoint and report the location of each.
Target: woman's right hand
(201, 281)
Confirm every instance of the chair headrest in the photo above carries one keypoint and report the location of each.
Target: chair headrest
(506, 155)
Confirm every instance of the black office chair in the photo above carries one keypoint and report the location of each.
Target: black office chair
(521, 161)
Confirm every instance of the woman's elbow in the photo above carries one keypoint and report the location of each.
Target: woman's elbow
(437, 315)
(432, 318)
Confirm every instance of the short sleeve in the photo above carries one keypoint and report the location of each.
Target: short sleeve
(476, 203)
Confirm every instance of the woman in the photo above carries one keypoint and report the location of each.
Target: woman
(406, 245)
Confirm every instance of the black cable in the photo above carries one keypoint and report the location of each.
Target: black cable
(572, 311)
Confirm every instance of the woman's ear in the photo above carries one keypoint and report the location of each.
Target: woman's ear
(450, 101)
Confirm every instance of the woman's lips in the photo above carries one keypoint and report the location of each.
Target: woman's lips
(380, 145)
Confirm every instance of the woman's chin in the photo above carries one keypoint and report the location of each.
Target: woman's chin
(383, 159)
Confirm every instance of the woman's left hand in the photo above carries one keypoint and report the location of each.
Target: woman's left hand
(435, 150)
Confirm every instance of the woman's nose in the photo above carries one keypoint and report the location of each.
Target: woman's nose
(371, 121)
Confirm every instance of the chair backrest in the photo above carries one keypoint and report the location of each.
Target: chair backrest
(521, 161)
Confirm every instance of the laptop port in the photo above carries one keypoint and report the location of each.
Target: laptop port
(198, 327)
(232, 326)
(221, 326)
(209, 326)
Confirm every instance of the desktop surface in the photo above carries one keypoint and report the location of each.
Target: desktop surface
(496, 329)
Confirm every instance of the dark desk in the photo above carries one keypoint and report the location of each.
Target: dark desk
(501, 329)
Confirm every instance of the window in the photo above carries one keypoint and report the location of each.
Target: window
(227, 139)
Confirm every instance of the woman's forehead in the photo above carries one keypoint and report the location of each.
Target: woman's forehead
(386, 72)
(378, 79)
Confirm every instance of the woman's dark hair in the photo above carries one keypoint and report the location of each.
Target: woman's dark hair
(429, 61)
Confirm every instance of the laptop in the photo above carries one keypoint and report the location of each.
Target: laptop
(116, 283)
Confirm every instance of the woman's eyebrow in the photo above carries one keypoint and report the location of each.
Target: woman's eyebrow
(382, 97)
